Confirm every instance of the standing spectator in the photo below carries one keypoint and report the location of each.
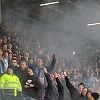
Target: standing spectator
(89, 94)
(94, 96)
(9, 58)
(40, 71)
(4, 40)
(26, 56)
(9, 46)
(21, 72)
(5, 55)
(4, 47)
(51, 90)
(3, 67)
(83, 95)
(74, 93)
(16, 65)
(96, 73)
(5, 58)
(10, 85)
(14, 62)
(31, 86)
(59, 86)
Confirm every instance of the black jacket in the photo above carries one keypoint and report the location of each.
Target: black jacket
(21, 74)
(74, 93)
(32, 91)
(52, 65)
(52, 91)
(60, 89)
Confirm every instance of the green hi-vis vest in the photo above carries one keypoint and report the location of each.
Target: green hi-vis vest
(10, 82)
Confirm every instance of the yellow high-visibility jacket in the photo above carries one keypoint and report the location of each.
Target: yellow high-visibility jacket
(10, 82)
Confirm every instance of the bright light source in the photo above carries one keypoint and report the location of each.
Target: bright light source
(73, 52)
(45, 4)
(93, 24)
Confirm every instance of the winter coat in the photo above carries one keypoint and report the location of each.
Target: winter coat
(52, 91)
(32, 91)
(60, 89)
(74, 93)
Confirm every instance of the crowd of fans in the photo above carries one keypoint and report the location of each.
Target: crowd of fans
(68, 71)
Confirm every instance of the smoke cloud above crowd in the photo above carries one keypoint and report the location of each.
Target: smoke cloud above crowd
(62, 27)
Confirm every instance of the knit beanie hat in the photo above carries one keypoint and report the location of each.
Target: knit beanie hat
(11, 66)
(95, 95)
(31, 67)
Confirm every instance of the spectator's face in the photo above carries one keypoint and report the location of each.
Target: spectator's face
(26, 54)
(87, 71)
(14, 62)
(23, 65)
(39, 52)
(59, 70)
(89, 96)
(80, 87)
(39, 62)
(35, 58)
(10, 71)
(9, 46)
(96, 70)
(4, 47)
(78, 74)
(17, 52)
(6, 54)
(4, 40)
(29, 71)
(19, 57)
(8, 38)
(84, 91)
(63, 63)
(31, 61)
(10, 56)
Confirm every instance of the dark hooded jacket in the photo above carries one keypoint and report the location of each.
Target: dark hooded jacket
(74, 93)
(52, 91)
(60, 89)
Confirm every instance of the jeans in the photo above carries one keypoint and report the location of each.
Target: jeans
(28, 98)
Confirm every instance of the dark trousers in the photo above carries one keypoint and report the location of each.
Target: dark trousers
(9, 97)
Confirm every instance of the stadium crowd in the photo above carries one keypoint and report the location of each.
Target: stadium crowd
(30, 71)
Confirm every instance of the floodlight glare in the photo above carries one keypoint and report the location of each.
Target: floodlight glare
(45, 4)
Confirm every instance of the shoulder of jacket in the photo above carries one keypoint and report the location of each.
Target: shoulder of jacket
(4, 75)
(15, 76)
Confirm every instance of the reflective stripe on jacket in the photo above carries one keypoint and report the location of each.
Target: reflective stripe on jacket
(10, 82)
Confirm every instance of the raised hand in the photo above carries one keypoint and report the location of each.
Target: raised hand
(55, 75)
(45, 70)
(64, 73)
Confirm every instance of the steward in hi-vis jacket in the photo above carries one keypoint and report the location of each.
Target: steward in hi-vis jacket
(10, 86)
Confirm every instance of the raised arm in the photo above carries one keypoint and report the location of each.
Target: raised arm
(59, 84)
(68, 83)
(52, 65)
